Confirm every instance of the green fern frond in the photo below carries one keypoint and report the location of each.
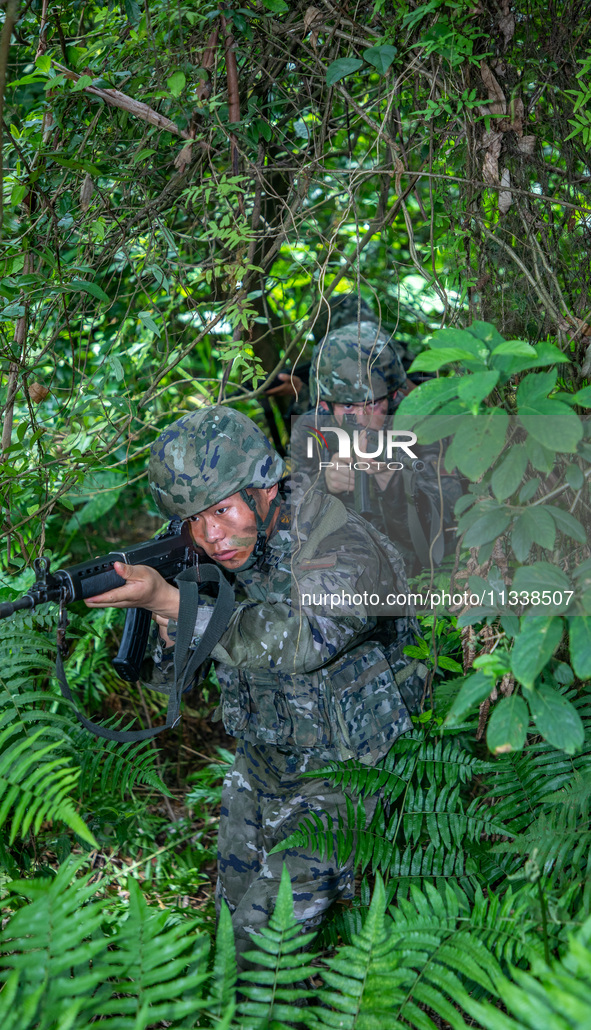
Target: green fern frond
(62, 971)
(524, 780)
(358, 990)
(440, 762)
(435, 832)
(57, 932)
(222, 998)
(35, 788)
(107, 766)
(271, 993)
(160, 971)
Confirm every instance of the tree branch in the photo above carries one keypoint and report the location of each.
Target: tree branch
(115, 98)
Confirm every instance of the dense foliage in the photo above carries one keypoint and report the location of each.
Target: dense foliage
(184, 187)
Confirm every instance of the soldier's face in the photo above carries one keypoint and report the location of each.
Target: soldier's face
(372, 416)
(227, 530)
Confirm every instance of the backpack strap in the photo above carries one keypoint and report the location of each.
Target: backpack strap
(186, 660)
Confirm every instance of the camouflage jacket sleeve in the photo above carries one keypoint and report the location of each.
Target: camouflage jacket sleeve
(277, 635)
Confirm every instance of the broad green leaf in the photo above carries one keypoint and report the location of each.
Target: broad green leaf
(583, 397)
(276, 6)
(442, 424)
(486, 332)
(12, 311)
(534, 646)
(534, 526)
(552, 423)
(83, 284)
(474, 388)
(507, 728)
(546, 354)
(81, 83)
(339, 69)
(536, 386)
(445, 662)
(542, 458)
(380, 56)
(432, 360)
(510, 624)
(574, 477)
(117, 367)
(472, 692)
(556, 719)
(549, 421)
(93, 511)
(176, 83)
(43, 63)
(74, 164)
(580, 645)
(149, 322)
(542, 575)
(133, 11)
(507, 477)
(519, 348)
(487, 528)
(424, 400)
(478, 442)
(563, 674)
(460, 339)
(19, 192)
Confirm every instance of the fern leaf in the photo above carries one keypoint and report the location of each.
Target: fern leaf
(159, 971)
(222, 998)
(109, 767)
(34, 788)
(272, 993)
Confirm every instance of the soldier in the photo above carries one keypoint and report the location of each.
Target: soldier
(348, 313)
(357, 377)
(301, 684)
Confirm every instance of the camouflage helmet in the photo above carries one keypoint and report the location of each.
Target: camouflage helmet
(354, 365)
(206, 456)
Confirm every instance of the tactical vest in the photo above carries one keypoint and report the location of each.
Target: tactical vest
(357, 704)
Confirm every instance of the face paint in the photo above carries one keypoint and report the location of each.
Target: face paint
(227, 531)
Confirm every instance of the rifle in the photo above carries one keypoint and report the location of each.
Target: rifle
(172, 553)
(363, 501)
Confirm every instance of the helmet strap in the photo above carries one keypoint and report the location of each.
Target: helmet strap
(261, 524)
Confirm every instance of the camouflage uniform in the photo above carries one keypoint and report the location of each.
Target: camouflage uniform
(354, 366)
(299, 686)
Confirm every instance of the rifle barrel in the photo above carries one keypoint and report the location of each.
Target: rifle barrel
(8, 607)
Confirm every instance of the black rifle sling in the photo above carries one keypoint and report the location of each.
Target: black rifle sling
(186, 661)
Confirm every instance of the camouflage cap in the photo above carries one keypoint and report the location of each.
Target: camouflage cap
(354, 365)
(206, 456)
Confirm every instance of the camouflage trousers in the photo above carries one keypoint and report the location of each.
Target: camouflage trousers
(264, 799)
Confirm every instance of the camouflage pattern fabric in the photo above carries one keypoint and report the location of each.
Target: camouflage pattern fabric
(264, 798)
(298, 677)
(299, 686)
(206, 456)
(355, 364)
(408, 495)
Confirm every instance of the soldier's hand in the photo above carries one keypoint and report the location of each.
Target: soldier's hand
(143, 588)
(163, 630)
(291, 385)
(339, 480)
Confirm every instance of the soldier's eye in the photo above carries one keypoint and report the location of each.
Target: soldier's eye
(221, 511)
(193, 518)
